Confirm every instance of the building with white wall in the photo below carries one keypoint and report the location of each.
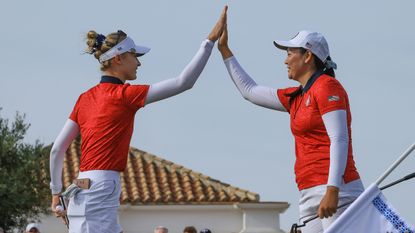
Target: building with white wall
(158, 192)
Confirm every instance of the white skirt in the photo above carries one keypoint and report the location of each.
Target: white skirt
(95, 210)
(310, 201)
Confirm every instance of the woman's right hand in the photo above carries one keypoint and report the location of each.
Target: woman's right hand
(58, 213)
(223, 44)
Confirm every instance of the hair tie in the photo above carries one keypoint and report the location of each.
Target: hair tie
(329, 64)
(97, 45)
(98, 42)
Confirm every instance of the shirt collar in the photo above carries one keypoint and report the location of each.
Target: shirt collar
(110, 79)
(311, 81)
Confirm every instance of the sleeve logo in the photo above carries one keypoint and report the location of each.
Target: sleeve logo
(334, 98)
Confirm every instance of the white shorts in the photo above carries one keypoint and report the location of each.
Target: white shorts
(310, 201)
(95, 210)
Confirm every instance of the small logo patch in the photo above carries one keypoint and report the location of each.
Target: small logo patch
(308, 45)
(334, 98)
(307, 102)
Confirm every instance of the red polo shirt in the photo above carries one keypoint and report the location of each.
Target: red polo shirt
(105, 115)
(312, 144)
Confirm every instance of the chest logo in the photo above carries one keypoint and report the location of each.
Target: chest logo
(308, 101)
(334, 98)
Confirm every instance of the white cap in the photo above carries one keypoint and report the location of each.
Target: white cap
(313, 41)
(32, 225)
(127, 45)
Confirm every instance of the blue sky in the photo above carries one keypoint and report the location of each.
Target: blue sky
(210, 128)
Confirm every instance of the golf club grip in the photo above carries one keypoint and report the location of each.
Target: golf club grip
(62, 201)
(338, 207)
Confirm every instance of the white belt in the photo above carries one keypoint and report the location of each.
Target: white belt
(100, 175)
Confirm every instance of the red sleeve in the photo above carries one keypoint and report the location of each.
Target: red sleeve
(284, 96)
(330, 95)
(135, 95)
(74, 113)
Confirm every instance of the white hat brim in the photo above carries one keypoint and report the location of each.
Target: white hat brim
(141, 50)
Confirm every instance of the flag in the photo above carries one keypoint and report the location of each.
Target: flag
(370, 213)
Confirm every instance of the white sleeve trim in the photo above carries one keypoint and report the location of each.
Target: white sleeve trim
(68, 133)
(259, 95)
(336, 126)
(186, 79)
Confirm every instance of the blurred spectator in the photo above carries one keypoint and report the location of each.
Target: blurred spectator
(205, 231)
(190, 229)
(33, 228)
(161, 229)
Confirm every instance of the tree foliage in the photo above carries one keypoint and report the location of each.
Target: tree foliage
(24, 189)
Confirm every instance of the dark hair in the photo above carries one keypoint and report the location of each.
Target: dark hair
(190, 229)
(320, 65)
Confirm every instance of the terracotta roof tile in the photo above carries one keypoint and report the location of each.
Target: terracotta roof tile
(149, 179)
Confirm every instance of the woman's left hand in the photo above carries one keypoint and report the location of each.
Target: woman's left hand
(328, 205)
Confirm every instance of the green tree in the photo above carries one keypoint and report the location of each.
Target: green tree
(24, 189)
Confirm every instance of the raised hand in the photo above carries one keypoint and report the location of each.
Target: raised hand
(218, 28)
(223, 40)
(223, 43)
